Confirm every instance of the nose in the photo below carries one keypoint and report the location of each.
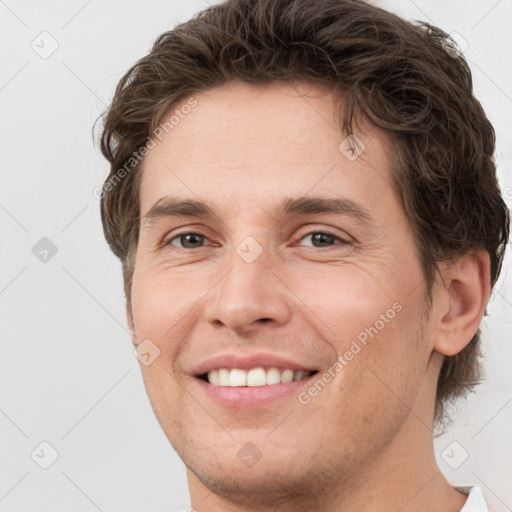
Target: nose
(250, 294)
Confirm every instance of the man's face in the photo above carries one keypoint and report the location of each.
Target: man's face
(276, 277)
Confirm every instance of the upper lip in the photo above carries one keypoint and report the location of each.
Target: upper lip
(246, 362)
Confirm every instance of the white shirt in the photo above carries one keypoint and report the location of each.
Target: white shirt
(474, 503)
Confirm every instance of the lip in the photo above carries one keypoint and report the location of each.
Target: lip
(247, 362)
(246, 397)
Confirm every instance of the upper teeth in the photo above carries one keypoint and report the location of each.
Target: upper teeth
(253, 377)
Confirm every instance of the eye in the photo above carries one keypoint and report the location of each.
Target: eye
(323, 239)
(317, 239)
(187, 240)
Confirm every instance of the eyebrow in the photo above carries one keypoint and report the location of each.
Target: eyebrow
(175, 207)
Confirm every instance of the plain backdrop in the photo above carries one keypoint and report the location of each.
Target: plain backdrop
(69, 379)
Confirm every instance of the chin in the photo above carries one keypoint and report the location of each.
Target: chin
(230, 478)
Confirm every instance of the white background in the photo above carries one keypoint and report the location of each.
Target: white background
(68, 376)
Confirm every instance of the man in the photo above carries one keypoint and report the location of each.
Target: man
(304, 201)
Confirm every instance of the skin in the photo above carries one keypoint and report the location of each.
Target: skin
(365, 441)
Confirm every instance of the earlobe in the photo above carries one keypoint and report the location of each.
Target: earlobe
(466, 288)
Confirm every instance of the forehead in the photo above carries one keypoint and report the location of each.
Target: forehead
(242, 143)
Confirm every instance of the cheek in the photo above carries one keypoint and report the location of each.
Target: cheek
(163, 311)
(371, 323)
(164, 302)
(345, 299)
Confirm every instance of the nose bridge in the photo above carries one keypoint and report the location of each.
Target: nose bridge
(249, 292)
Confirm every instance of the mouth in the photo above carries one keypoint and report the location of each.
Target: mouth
(254, 377)
(251, 381)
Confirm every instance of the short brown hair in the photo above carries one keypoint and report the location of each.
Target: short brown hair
(408, 79)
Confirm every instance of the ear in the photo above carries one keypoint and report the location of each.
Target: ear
(465, 288)
(130, 322)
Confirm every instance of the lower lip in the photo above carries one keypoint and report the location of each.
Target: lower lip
(249, 396)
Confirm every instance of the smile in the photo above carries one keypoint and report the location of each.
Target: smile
(237, 377)
(250, 380)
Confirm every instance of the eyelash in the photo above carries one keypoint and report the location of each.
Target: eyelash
(319, 232)
(328, 233)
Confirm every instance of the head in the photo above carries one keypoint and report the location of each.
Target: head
(254, 128)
